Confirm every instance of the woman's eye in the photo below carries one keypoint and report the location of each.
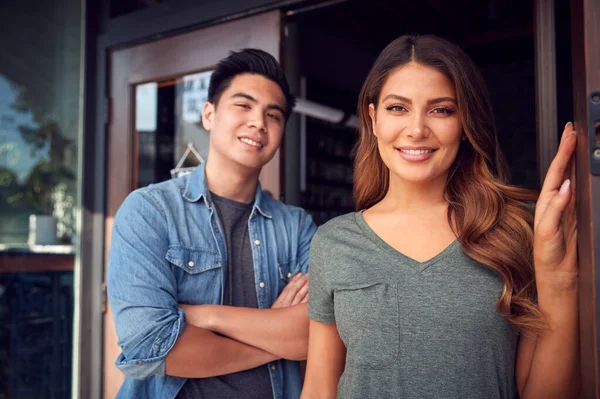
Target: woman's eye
(443, 110)
(396, 108)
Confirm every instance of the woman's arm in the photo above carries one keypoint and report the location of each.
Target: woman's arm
(326, 361)
(548, 365)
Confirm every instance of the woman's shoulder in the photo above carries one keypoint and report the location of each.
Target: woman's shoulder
(340, 234)
(338, 226)
(334, 243)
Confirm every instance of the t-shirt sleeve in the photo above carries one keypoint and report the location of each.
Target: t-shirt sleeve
(320, 298)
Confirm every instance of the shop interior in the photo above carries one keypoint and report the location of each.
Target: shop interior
(329, 48)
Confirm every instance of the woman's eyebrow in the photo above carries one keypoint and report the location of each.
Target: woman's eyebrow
(397, 97)
(409, 101)
(441, 100)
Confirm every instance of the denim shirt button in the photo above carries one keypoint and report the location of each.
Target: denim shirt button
(273, 367)
(139, 362)
(289, 275)
(261, 285)
(191, 263)
(256, 242)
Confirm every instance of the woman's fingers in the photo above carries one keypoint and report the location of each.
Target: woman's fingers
(551, 222)
(568, 129)
(556, 171)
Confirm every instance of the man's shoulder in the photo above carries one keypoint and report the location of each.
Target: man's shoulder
(155, 196)
(174, 186)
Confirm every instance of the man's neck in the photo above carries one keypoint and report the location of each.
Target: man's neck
(232, 182)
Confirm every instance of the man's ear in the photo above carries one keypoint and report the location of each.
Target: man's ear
(208, 113)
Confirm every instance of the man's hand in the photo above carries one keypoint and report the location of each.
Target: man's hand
(295, 292)
(281, 331)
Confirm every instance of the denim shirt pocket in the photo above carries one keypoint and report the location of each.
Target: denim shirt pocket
(193, 260)
(200, 282)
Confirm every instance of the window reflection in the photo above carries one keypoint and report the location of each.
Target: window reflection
(40, 54)
(36, 170)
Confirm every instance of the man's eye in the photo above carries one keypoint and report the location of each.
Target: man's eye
(274, 117)
(246, 106)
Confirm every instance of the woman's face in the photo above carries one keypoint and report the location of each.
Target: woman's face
(417, 124)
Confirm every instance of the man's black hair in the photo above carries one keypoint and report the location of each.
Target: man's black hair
(252, 61)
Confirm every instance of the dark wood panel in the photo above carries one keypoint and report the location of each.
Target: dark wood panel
(545, 76)
(15, 263)
(585, 22)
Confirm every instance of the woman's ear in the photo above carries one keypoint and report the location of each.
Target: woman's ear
(372, 116)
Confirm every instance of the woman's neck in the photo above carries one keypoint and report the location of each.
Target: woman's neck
(414, 196)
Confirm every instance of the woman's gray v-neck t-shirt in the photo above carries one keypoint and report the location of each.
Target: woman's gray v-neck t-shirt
(411, 329)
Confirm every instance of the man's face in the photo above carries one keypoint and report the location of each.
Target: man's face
(247, 123)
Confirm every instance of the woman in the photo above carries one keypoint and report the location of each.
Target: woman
(438, 287)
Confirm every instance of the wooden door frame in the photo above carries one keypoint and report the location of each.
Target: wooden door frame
(138, 64)
(585, 15)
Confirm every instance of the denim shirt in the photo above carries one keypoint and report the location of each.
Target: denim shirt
(167, 248)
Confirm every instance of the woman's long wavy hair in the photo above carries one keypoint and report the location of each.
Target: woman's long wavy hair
(490, 218)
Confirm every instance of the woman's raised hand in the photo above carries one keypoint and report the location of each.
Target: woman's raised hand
(555, 227)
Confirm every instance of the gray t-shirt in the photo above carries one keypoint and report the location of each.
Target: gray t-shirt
(411, 329)
(240, 290)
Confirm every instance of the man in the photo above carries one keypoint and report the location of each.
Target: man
(207, 274)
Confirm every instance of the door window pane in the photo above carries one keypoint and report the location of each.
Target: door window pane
(171, 139)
